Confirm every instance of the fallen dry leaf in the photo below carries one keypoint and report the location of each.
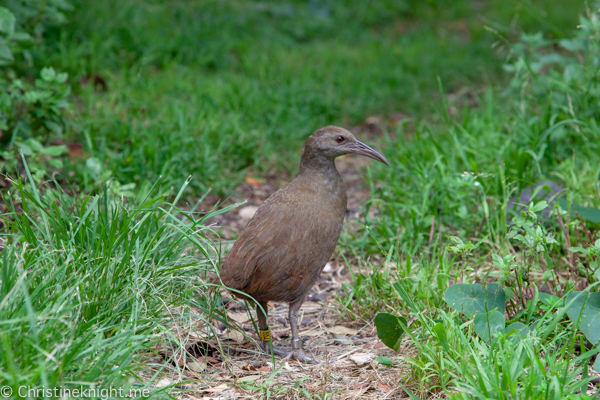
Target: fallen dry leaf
(354, 394)
(360, 385)
(164, 382)
(312, 332)
(234, 335)
(341, 339)
(361, 358)
(216, 389)
(239, 317)
(211, 360)
(342, 330)
(196, 366)
(311, 305)
(249, 378)
(252, 181)
(252, 366)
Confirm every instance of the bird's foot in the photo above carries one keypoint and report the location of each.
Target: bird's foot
(298, 354)
(288, 353)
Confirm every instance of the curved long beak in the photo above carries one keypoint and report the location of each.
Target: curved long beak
(364, 150)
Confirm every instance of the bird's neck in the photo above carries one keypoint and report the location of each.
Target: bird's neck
(321, 175)
(317, 166)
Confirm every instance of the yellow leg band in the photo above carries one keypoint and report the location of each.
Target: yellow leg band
(265, 336)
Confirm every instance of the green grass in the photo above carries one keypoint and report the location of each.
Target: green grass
(89, 285)
(89, 271)
(213, 89)
(455, 181)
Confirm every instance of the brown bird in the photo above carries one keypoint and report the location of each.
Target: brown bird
(283, 249)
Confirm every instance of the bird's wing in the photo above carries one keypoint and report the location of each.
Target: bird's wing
(284, 246)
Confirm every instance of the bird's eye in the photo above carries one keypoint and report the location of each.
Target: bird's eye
(339, 139)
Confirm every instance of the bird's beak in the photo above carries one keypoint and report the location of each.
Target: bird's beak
(364, 150)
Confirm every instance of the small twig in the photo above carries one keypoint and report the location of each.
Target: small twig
(578, 239)
(336, 359)
(520, 290)
(585, 229)
(431, 231)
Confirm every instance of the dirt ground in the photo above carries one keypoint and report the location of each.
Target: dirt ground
(347, 368)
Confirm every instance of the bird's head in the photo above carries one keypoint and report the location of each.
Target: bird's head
(332, 141)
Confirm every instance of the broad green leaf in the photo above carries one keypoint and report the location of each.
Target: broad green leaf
(53, 126)
(48, 74)
(440, 333)
(487, 324)
(6, 56)
(471, 299)
(384, 361)
(24, 40)
(7, 21)
(389, 329)
(496, 298)
(590, 214)
(94, 165)
(54, 150)
(590, 320)
(542, 205)
(596, 366)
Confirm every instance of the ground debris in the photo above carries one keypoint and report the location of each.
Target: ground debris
(346, 371)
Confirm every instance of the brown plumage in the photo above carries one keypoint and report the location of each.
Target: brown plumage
(283, 249)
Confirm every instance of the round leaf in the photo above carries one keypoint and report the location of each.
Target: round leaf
(590, 320)
(488, 324)
(596, 366)
(517, 331)
(471, 299)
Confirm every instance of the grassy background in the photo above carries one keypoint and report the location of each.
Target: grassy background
(217, 89)
(209, 89)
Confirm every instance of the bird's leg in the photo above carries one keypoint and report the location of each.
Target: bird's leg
(265, 333)
(263, 327)
(297, 352)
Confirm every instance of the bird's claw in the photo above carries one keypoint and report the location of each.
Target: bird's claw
(298, 355)
(288, 354)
